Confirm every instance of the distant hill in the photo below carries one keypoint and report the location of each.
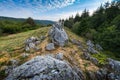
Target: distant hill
(43, 22)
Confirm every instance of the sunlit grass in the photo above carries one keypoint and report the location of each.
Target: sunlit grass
(11, 43)
(15, 41)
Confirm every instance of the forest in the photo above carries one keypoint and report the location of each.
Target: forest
(103, 26)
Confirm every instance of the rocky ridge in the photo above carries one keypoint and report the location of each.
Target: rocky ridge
(55, 67)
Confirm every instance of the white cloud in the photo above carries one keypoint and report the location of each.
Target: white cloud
(26, 8)
(37, 7)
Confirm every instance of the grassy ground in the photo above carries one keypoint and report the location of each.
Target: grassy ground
(11, 42)
(12, 47)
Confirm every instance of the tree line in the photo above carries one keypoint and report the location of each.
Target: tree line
(103, 26)
(12, 26)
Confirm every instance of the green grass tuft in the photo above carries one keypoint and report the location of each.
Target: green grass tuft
(102, 58)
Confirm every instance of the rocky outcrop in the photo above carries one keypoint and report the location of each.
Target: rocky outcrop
(98, 47)
(91, 48)
(102, 74)
(109, 72)
(50, 46)
(94, 60)
(87, 56)
(58, 35)
(45, 68)
(98, 75)
(114, 66)
(31, 43)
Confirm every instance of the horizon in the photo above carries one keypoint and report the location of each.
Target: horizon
(47, 10)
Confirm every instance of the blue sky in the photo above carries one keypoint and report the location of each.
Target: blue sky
(47, 9)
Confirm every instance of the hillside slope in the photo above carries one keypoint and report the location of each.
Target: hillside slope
(12, 47)
(93, 66)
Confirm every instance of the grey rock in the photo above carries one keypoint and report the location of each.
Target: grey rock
(27, 48)
(86, 55)
(98, 75)
(101, 74)
(107, 76)
(91, 48)
(45, 68)
(94, 60)
(58, 35)
(114, 65)
(89, 43)
(9, 69)
(31, 43)
(98, 47)
(50, 46)
(59, 56)
(13, 64)
(103, 71)
(79, 72)
(111, 76)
